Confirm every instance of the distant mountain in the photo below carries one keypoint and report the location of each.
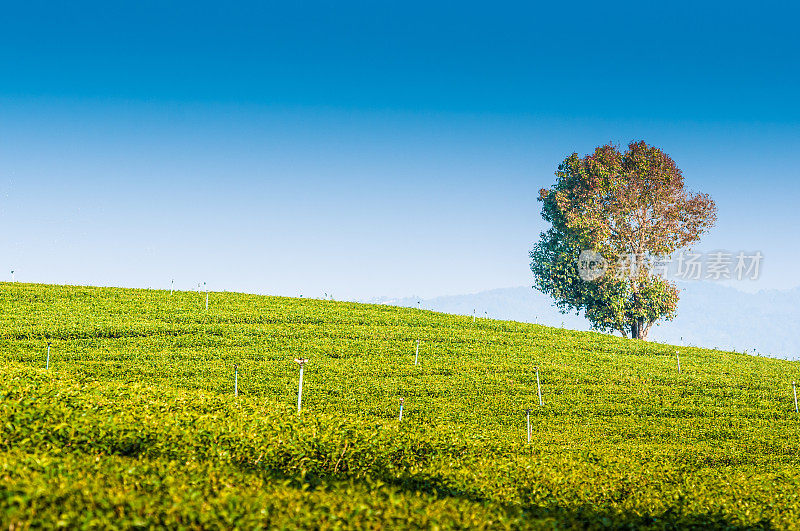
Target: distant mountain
(709, 315)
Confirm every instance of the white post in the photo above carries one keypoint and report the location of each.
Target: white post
(235, 380)
(172, 286)
(401, 408)
(678, 356)
(529, 424)
(302, 363)
(300, 391)
(12, 275)
(47, 366)
(473, 315)
(416, 356)
(204, 287)
(539, 386)
(794, 390)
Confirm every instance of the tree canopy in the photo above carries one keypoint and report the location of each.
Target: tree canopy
(614, 216)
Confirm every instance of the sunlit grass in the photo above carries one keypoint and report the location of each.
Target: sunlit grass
(138, 410)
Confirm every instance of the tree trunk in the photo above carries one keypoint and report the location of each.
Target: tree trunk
(647, 329)
(638, 329)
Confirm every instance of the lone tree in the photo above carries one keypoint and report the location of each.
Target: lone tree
(614, 217)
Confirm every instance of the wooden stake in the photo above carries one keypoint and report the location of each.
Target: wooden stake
(528, 412)
(539, 386)
(302, 363)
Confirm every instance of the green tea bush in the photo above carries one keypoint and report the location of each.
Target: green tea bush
(135, 424)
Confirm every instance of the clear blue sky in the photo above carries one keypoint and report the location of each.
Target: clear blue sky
(375, 148)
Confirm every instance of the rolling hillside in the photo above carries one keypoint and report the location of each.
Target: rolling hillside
(135, 422)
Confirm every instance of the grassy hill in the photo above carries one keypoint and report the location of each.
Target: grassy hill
(135, 424)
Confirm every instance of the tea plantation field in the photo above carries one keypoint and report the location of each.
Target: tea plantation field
(135, 423)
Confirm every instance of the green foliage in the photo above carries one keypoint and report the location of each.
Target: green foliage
(632, 208)
(136, 425)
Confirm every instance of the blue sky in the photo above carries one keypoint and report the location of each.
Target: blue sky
(368, 149)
